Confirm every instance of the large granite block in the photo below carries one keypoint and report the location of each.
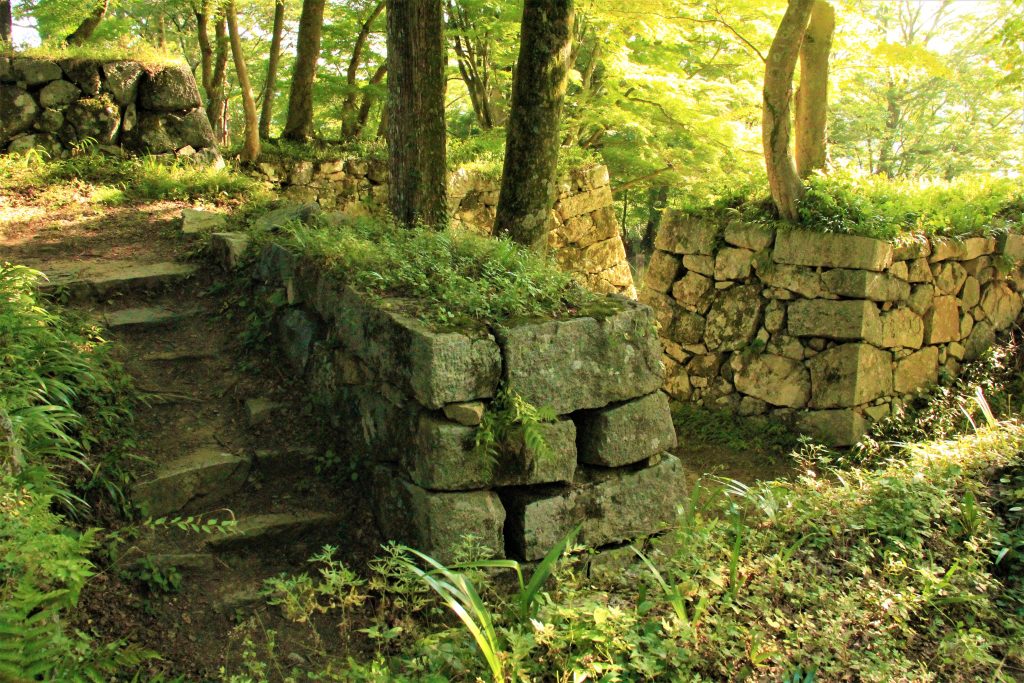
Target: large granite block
(625, 433)
(829, 250)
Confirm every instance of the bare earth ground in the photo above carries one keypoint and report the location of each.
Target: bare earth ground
(189, 371)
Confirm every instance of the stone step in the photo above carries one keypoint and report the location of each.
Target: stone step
(174, 356)
(191, 483)
(83, 280)
(274, 530)
(141, 318)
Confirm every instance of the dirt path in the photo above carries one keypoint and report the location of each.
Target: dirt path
(209, 450)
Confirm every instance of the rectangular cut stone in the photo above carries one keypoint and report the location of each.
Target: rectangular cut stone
(435, 367)
(942, 321)
(662, 272)
(625, 433)
(805, 248)
(584, 202)
(978, 246)
(613, 505)
(838, 428)
(847, 320)
(733, 263)
(683, 234)
(849, 375)
(917, 371)
(865, 284)
(585, 362)
(749, 236)
(1012, 246)
(376, 422)
(435, 523)
(443, 457)
(902, 327)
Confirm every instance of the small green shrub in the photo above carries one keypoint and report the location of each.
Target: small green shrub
(448, 279)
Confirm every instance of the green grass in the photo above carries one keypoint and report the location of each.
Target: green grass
(114, 180)
(892, 209)
(450, 279)
(110, 51)
(65, 407)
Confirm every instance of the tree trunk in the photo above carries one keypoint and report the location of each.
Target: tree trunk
(415, 112)
(205, 53)
(269, 88)
(528, 183)
(6, 22)
(218, 107)
(812, 95)
(86, 28)
(349, 122)
(299, 126)
(369, 98)
(780, 64)
(251, 147)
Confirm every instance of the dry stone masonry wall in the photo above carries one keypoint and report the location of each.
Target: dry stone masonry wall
(55, 106)
(585, 238)
(408, 400)
(830, 331)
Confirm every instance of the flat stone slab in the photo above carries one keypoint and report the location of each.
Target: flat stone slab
(100, 279)
(196, 222)
(175, 356)
(192, 482)
(585, 362)
(141, 318)
(829, 250)
(275, 529)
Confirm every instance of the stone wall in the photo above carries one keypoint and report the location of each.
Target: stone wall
(54, 106)
(585, 237)
(830, 331)
(407, 400)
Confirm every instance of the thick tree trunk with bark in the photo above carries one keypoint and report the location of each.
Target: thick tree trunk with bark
(270, 87)
(86, 28)
(415, 112)
(528, 183)
(6, 22)
(785, 184)
(349, 120)
(299, 126)
(812, 95)
(251, 146)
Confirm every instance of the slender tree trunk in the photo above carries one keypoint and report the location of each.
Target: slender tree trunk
(299, 126)
(86, 28)
(528, 183)
(780, 64)
(415, 112)
(812, 95)
(218, 108)
(349, 120)
(369, 99)
(251, 147)
(269, 88)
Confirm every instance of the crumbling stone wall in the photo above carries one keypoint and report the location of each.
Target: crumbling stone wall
(831, 331)
(54, 106)
(585, 238)
(407, 400)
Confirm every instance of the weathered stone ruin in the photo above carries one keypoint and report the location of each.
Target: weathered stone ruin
(585, 239)
(831, 331)
(56, 106)
(408, 399)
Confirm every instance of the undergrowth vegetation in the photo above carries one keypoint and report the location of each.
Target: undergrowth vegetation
(892, 209)
(115, 180)
(64, 413)
(449, 278)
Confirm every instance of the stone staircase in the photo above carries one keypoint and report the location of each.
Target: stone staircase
(210, 456)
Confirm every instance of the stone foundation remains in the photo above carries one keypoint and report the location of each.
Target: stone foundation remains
(56, 106)
(407, 400)
(585, 238)
(832, 331)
